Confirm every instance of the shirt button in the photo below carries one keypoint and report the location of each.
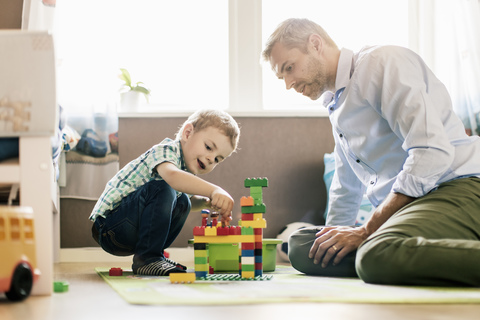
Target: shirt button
(341, 135)
(358, 160)
(372, 182)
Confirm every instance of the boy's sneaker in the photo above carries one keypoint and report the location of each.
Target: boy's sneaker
(158, 268)
(178, 265)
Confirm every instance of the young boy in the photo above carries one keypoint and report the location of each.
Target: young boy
(145, 205)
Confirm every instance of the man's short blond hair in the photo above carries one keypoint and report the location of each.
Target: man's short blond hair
(205, 118)
(294, 33)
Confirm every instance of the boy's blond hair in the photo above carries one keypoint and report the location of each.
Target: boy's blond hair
(219, 119)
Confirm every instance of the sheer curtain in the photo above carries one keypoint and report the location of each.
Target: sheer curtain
(89, 123)
(457, 56)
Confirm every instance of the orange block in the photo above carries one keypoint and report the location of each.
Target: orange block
(246, 201)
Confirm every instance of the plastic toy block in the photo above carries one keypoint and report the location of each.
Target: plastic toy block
(211, 231)
(255, 224)
(223, 231)
(248, 231)
(255, 209)
(225, 239)
(248, 274)
(258, 232)
(182, 277)
(201, 267)
(235, 230)
(199, 246)
(201, 274)
(256, 182)
(248, 261)
(246, 201)
(258, 273)
(234, 277)
(247, 216)
(257, 216)
(258, 245)
(210, 270)
(60, 286)
(247, 253)
(248, 246)
(115, 272)
(199, 231)
(200, 260)
(258, 259)
(200, 253)
(256, 192)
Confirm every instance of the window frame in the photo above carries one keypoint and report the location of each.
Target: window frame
(245, 69)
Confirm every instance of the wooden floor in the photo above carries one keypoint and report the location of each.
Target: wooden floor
(90, 298)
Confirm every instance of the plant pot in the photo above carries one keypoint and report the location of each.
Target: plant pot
(129, 101)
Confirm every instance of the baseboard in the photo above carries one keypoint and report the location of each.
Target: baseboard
(95, 254)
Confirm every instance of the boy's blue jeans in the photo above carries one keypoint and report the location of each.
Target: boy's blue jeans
(145, 223)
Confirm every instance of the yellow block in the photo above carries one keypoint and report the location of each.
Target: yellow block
(212, 231)
(182, 277)
(224, 239)
(257, 216)
(255, 223)
(200, 253)
(248, 274)
(201, 267)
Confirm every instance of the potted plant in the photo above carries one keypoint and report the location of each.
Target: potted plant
(131, 92)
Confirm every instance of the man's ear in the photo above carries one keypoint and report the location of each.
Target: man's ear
(315, 42)
(187, 131)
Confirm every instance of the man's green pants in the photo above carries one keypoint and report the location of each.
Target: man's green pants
(433, 241)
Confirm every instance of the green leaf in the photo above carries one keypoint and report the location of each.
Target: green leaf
(125, 76)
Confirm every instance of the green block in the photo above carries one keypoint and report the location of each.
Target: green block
(255, 209)
(255, 191)
(60, 286)
(256, 182)
(201, 260)
(248, 267)
(247, 231)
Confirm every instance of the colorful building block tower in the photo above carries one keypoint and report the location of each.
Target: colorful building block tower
(253, 209)
(249, 234)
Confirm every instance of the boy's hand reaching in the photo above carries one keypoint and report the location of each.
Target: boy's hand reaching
(223, 202)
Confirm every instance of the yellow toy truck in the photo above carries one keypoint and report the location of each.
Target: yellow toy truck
(18, 263)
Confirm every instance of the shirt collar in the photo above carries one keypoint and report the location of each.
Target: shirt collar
(344, 69)
(182, 158)
(344, 72)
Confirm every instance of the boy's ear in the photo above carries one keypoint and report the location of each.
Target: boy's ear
(187, 131)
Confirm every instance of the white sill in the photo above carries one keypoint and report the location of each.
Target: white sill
(147, 112)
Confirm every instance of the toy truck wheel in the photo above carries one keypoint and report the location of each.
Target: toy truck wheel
(22, 282)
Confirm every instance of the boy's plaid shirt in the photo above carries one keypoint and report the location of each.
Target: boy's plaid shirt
(137, 173)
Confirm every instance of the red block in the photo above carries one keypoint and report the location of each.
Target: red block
(259, 266)
(198, 231)
(258, 245)
(235, 230)
(247, 217)
(223, 231)
(115, 272)
(258, 231)
(248, 246)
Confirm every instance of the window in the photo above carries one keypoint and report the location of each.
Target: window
(179, 49)
(2, 229)
(15, 228)
(351, 24)
(201, 53)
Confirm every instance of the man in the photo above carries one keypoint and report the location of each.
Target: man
(398, 140)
